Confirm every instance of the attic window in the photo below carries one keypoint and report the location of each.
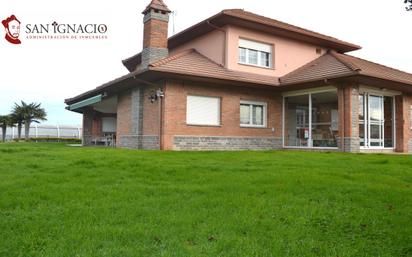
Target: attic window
(255, 53)
(318, 51)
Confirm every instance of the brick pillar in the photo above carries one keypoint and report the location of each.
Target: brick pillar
(87, 126)
(348, 101)
(403, 124)
(130, 119)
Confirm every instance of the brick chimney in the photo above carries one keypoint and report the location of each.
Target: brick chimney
(156, 21)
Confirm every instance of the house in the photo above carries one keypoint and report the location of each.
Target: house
(238, 81)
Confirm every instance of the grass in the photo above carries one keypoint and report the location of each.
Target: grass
(61, 201)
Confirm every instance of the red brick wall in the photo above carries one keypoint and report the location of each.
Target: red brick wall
(403, 122)
(408, 121)
(175, 111)
(97, 126)
(124, 114)
(151, 125)
(155, 34)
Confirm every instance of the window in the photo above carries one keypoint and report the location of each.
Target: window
(203, 110)
(252, 114)
(254, 53)
(411, 116)
(108, 125)
(311, 120)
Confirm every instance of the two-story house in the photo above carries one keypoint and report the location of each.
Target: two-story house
(238, 80)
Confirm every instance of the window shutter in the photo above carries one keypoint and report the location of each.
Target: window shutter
(108, 124)
(255, 45)
(203, 110)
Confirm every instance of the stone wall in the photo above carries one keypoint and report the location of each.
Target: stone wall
(147, 142)
(223, 143)
(352, 144)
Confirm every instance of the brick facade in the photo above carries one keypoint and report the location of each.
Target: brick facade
(348, 102)
(87, 126)
(155, 37)
(143, 124)
(92, 125)
(403, 123)
(138, 119)
(178, 135)
(155, 31)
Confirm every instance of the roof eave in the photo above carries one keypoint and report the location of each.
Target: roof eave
(218, 80)
(221, 19)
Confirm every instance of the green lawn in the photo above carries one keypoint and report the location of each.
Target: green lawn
(63, 201)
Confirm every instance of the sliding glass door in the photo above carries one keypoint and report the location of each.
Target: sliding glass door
(376, 121)
(311, 120)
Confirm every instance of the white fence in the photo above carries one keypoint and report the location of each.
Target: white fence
(46, 131)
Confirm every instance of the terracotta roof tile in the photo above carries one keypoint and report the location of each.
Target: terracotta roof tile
(333, 65)
(157, 5)
(326, 66)
(190, 62)
(282, 25)
(238, 15)
(373, 69)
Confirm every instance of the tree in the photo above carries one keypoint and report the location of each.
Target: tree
(17, 115)
(27, 114)
(409, 3)
(5, 121)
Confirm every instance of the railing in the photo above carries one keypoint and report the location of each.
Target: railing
(46, 131)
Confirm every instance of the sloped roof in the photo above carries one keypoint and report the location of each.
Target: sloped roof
(276, 24)
(190, 62)
(324, 67)
(372, 69)
(336, 65)
(187, 63)
(157, 5)
(242, 18)
(193, 64)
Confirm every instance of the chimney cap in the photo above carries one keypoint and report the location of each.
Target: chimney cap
(157, 5)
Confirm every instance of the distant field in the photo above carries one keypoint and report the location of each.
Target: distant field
(65, 201)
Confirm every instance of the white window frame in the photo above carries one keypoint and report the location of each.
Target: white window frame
(367, 120)
(410, 114)
(251, 104)
(259, 57)
(309, 93)
(219, 121)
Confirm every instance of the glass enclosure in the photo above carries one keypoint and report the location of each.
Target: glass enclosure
(325, 119)
(297, 121)
(311, 120)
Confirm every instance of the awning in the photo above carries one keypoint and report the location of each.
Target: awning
(86, 102)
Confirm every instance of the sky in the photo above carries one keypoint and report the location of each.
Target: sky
(49, 71)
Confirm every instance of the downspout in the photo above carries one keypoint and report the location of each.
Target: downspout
(160, 124)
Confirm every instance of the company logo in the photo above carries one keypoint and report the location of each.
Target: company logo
(12, 26)
(52, 31)
(409, 5)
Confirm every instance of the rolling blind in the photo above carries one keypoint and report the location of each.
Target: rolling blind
(255, 45)
(108, 125)
(203, 110)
